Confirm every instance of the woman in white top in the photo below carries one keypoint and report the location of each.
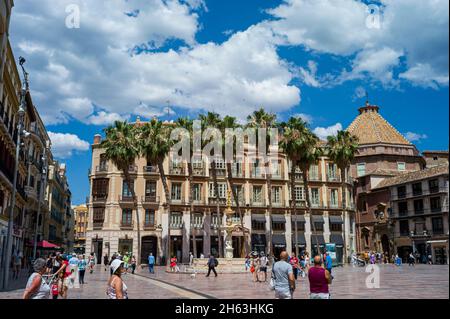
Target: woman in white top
(116, 287)
(36, 287)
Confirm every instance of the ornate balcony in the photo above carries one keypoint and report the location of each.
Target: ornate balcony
(150, 199)
(151, 170)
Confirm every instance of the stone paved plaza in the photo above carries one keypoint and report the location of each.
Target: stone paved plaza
(421, 281)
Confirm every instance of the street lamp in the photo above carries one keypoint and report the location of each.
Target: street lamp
(41, 194)
(21, 131)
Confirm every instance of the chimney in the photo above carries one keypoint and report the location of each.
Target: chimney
(97, 139)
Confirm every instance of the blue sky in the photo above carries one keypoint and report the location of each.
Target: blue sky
(295, 57)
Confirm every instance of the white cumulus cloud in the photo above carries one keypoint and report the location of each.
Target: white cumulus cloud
(324, 132)
(64, 144)
(415, 137)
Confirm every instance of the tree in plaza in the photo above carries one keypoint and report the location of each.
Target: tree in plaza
(122, 149)
(155, 144)
(187, 124)
(260, 119)
(342, 149)
(212, 120)
(302, 148)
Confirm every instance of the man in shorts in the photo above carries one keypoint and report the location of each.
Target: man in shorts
(263, 262)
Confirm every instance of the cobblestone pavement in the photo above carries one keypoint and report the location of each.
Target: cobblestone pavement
(421, 281)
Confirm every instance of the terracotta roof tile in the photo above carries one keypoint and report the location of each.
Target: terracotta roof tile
(371, 128)
(414, 176)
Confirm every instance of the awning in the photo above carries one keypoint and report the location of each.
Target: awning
(319, 238)
(44, 244)
(258, 239)
(318, 219)
(437, 241)
(259, 218)
(336, 220)
(301, 240)
(279, 240)
(278, 219)
(298, 218)
(337, 239)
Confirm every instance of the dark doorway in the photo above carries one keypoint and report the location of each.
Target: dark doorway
(385, 245)
(403, 252)
(214, 246)
(237, 246)
(199, 246)
(176, 247)
(440, 256)
(149, 245)
(98, 249)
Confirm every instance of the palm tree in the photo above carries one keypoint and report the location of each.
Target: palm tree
(154, 145)
(122, 149)
(231, 123)
(302, 148)
(342, 149)
(212, 120)
(187, 124)
(261, 119)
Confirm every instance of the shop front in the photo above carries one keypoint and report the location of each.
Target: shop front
(338, 241)
(439, 251)
(279, 244)
(259, 243)
(300, 242)
(317, 240)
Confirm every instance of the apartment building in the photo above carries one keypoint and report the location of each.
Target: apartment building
(419, 216)
(112, 223)
(383, 153)
(81, 220)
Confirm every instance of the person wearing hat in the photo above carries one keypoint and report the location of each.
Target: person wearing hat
(116, 287)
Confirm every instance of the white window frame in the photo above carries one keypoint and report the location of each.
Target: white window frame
(276, 194)
(222, 190)
(315, 200)
(359, 171)
(398, 166)
(260, 195)
(299, 193)
(176, 189)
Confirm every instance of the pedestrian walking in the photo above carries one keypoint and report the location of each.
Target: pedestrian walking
(82, 264)
(294, 263)
(106, 261)
(191, 259)
(254, 269)
(127, 260)
(283, 278)
(263, 262)
(64, 274)
(55, 288)
(114, 257)
(17, 264)
(91, 263)
(151, 263)
(328, 263)
(36, 287)
(411, 259)
(133, 264)
(117, 289)
(212, 264)
(247, 263)
(319, 279)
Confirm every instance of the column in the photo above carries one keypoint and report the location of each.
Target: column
(247, 224)
(308, 234)
(207, 234)
(326, 227)
(289, 235)
(268, 241)
(165, 233)
(186, 236)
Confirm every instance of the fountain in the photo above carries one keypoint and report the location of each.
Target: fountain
(227, 264)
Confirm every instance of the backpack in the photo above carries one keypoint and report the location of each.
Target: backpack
(216, 262)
